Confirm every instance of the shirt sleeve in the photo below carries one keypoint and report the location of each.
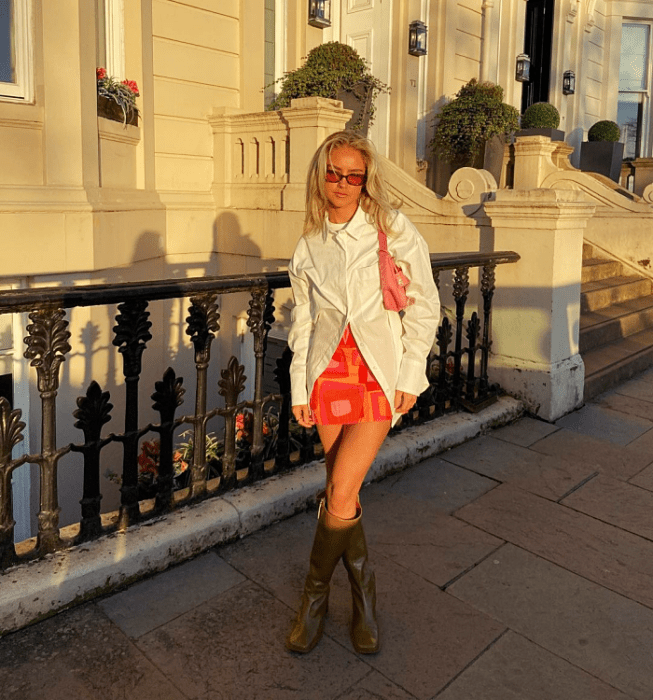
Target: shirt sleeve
(301, 326)
(420, 319)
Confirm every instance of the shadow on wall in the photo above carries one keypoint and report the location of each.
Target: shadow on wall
(94, 357)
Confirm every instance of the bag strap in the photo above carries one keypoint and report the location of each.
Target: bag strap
(383, 241)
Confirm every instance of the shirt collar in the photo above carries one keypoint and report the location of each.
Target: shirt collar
(354, 228)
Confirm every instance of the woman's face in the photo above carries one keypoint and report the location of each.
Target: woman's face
(341, 196)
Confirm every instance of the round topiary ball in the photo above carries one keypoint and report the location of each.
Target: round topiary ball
(604, 131)
(541, 115)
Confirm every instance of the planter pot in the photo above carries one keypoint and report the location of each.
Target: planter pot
(359, 100)
(553, 134)
(603, 157)
(109, 109)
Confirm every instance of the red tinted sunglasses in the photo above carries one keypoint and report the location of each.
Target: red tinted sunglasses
(353, 179)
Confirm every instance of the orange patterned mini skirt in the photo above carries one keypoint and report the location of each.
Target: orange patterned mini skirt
(347, 392)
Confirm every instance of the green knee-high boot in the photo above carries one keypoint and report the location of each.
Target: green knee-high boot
(364, 626)
(331, 540)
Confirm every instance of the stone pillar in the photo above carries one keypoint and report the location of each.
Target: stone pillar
(533, 161)
(486, 61)
(70, 121)
(536, 308)
(310, 120)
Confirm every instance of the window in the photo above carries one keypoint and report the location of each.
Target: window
(269, 50)
(15, 51)
(633, 112)
(275, 41)
(110, 19)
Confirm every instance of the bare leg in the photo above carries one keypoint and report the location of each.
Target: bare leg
(349, 453)
(330, 437)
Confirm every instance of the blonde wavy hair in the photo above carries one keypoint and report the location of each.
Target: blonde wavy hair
(375, 199)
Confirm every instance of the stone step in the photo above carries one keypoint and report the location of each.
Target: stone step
(599, 294)
(595, 269)
(589, 251)
(616, 362)
(614, 322)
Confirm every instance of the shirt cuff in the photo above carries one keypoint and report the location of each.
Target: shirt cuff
(412, 377)
(298, 391)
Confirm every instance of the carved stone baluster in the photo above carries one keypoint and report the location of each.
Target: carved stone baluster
(47, 345)
(460, 292)
(487, 289)
(11, 433)
(132, 334)
(260, 319)
(167, 398)
(202, 327)
(231, 386)
(94, 410)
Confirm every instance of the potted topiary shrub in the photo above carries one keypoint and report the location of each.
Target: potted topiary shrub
(602, 153)
(470, 121)
(336, 71)
(541, 119)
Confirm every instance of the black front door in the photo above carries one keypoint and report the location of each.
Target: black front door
(537, 45)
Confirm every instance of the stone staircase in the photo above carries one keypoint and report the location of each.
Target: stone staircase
(616, 321)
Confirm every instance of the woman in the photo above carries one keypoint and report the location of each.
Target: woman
(356, 366)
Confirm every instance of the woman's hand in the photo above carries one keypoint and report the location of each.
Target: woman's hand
(302, 415)
(403, 401)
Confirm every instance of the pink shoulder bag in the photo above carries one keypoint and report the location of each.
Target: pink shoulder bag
(393, 280)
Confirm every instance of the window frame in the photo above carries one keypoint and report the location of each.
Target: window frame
(23, 89)
(643, 139)
(114, 37)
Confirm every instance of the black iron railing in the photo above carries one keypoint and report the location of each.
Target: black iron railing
(259, 437)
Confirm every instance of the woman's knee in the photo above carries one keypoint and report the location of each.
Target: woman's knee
(342, 499)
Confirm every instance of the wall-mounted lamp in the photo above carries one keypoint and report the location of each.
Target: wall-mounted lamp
(568, 82)
(523, 68)
(319, 13)
(417, 33)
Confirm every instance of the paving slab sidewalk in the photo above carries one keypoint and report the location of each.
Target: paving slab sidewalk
(513, 567)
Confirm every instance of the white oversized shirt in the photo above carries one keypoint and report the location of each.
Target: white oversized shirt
(336, 281)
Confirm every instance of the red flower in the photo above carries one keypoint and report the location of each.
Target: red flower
(131, 84)
(101, 73)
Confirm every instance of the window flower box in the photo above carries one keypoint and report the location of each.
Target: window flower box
(116, 100)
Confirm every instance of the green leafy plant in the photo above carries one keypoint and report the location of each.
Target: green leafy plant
(150, 456)
(472, 118)
(329, 69)
(541, 115)
(605, 130)
(123, 93)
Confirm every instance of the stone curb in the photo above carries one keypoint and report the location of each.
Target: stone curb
(35, 590)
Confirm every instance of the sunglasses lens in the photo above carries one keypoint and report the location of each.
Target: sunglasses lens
(354, 179)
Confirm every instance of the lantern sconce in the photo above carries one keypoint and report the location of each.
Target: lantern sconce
(568, 82)
(319, 13)
(523, 68)
(417, 33)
